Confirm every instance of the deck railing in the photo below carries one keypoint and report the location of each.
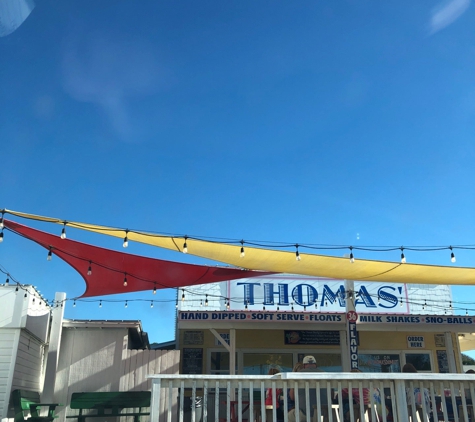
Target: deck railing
(388, 397)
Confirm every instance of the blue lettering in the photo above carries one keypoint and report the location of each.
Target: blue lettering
(304, 295)
(388, 297)
(327, 294)
(364, 298)
(249, 292)
(269, 294)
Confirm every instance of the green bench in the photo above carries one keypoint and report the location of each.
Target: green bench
(29, 401)
(106, 404)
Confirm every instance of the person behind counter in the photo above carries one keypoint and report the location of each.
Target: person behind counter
(277, 394)
(356, 400)
(416, 392)
(309, 365)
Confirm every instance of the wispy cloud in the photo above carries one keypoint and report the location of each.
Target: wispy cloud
(447, 13)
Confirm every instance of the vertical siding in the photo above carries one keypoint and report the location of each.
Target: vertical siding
(28, 373)
(98, 360)
(9, 339)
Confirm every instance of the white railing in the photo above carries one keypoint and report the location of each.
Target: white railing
(388, 397)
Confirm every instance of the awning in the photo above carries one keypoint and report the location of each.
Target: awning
(284, 261)
(109, 269)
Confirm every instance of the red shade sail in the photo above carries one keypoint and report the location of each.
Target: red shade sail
(109, 269)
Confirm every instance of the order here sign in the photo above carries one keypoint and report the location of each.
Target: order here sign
(415, 342)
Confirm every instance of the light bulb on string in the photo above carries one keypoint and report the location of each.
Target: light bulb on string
(424, 305)
(403, 257)
(242, 249)
(176, 304)
(400, 302)
(126, 239)
(304, 308)
(7, 281)
(151, 303)
(74, 304)
(352, 258)
(100, 304)
(450, 304)
(1, 220)
(1, 236)
(245, 307)
(201, 303)
(154, 290)
(228, 305)
(206, 300)
(126, 305)
(183, 295)
(89, 269)
(263, 307)
(297, 253)
(326, 303)
(452, 255)
(316, 305)
(125, 279)
(466, 312)
(185, 246)
(292, 306)
(278, 308)
(63, 232)
(50, 255)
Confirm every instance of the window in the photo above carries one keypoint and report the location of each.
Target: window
(380, 362)
(421, 361)
(260, 363)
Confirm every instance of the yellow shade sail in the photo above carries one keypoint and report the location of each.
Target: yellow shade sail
(285, 261)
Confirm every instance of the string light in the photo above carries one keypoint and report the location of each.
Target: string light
(228, 305)
(352, 258)
(424, 305)
(263, 307)
(1, 220)
(126, 305)
(183, 295)
(50, 255)
(125, 279)
(403, 257)
(7, 281)
(176, 304)
(74, 304)
(292, 306)
(155, 290)
(245, 307)
(151, 303)
(297, 254)
(100, 304)
(201, 303)
(278, 308)
(316, 305)
(185, 246)
(63, 232)
(126, 239)
(1, 236)
(452, 255)
(89, 269)
(242, 249)
(206, 300)
(400, 301)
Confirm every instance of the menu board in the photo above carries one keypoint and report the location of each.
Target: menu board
(443, 361)
(193, 337)
(331, 338)
(192, 361)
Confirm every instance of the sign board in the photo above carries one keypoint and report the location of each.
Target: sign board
(442, 361)
(439, 340)
(415, 342)
(328, 338)
(193, 337)
(224, 336)
(192, 361)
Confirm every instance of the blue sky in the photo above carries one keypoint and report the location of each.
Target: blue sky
(347, 123)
